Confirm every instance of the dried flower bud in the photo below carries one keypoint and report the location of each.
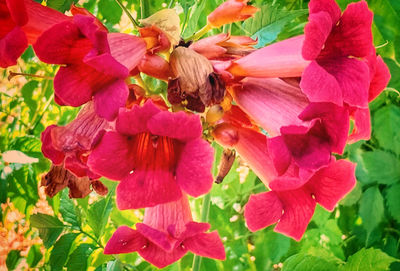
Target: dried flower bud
(195, 81)
(225, 164)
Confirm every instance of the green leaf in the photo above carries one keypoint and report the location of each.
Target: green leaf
(393, 201)
(13, 258)
(98, 214)
(61, 5)
(268, 22)
(368, 259)
(78, 260)
(271, 246)
(193, 20)
(371, 208)
(67, 210)
(382, 167)
(50, 228)
(303, 262)
(34, 256)
(353, 197)
(110, 10)
(60, 252)
(27, 93)
(386, 127)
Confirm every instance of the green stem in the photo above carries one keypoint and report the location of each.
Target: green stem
(144, 12)
(204, 218)
(36, 119)
(135, 23)
(200, 33)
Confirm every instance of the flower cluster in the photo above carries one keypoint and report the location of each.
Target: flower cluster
(285, 108)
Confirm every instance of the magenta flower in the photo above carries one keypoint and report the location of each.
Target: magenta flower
(21, 23)
(97, 63)
(292, 208)
(155, 154)
(167, 233)
(294, 191)
(336, 44)
(70, 144)
(306, 132)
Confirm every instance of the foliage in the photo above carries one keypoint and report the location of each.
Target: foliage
(361, 234)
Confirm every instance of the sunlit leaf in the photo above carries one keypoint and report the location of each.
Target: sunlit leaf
(49, 228)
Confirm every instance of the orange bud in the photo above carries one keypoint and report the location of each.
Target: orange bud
(226, 135)
(231, 11)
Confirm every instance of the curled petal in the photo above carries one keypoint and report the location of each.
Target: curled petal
(231, 11)
(193, 172)
(206, 245)
(262, 210)
(124, 240)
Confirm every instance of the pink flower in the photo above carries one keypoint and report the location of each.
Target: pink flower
(155, 154)
(307, 132)
(70, 144)
(97, 63)
(21, 22)
(294, 191)
(335, 44)
(167, 233)
(231, 11)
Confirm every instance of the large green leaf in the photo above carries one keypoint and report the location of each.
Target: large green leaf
(13, 259)
(99, 213)
(386, 127)
(34, 256)
(304, 262)
(110, 10)
(268, 22)
(78, 260)
(67, 210)
(368, 259)
(61, 5)
(382, 167)
(49, 227)
(195, 13)
(393, 201)
(371, 208)
(61, 249)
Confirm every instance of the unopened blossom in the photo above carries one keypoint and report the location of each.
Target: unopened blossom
(294, 191)
(96, 63)
(155, 154)
(231, 11)
(167, 233)
(224, 46)
(21, 23)
(195, 81)
(69, 145)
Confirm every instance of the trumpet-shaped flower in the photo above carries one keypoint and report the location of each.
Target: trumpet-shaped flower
(167, 233)
(155, 154)
(97, 63)
(21, 23)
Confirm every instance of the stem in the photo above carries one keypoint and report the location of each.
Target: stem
(170, 3)
(37, 121)
(13, 74)
(143, 9)
(204, 218)
(92, 237)
(200, 33)
(135, 23)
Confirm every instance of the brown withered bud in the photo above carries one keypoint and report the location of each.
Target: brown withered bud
(59, 178)
(195, 82)
(225, 164)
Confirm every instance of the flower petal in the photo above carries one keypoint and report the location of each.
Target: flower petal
(331, 184)
(147, 189)
(328, 6)
(124, 240)
(157, 237)
(362, 125)
(159, 257)
(134, 121)
(110, 98)
(193, 172)
(380, 79)
(12, 45)
(262, 210)
(206, 245)
(48, 150)
(112, 157)
(298, 208)
(279, 153)
(180, 125)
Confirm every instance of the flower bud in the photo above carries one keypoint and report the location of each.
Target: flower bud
(195, 81)
(226, 135)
